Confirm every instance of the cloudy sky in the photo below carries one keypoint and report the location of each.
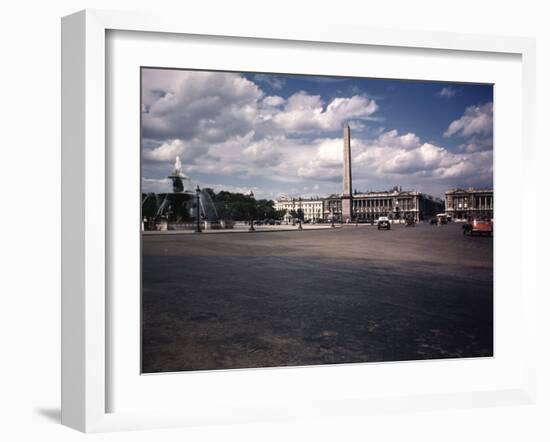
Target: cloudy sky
(283, 134)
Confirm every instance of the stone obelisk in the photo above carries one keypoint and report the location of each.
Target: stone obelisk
(347, 193)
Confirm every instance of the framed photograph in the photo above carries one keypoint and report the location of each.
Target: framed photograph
(262, 224)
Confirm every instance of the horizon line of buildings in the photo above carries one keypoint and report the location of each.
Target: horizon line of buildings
(459, 204)
(398, 204)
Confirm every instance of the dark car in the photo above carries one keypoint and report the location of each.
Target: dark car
(410, 222)
(478, 227)
(384, 223)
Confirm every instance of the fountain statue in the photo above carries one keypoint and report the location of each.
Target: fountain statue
(178, 177)
(177, 210)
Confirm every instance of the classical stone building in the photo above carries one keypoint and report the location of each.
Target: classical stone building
(369, 206)
(312, 207)
(332, 208)
(396, 204)
(461, 204)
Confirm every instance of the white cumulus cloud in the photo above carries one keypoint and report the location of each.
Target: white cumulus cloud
(167, 151)
(222, 124)
(274, 100)
(447, 92)
(304, 112)
(475, 121)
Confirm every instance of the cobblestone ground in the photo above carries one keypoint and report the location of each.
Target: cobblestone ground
(351, 294)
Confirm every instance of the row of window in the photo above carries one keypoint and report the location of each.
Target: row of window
(401, 203)
(479, 203)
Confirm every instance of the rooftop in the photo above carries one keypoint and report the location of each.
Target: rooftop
(469, 190)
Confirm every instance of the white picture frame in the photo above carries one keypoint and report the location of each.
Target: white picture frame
(85, 233)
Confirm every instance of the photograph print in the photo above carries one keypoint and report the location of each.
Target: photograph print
(301, 220)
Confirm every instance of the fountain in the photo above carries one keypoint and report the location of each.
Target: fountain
(177, 210)
(178, 177)
(207, 206)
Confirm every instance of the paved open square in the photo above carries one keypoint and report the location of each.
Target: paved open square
(291, 298)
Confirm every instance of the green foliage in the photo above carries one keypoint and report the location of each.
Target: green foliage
(265, 209)
(210, 192)
(240, 207)
(235, 206)
(279, 214)
(229, 205)
(297, 214)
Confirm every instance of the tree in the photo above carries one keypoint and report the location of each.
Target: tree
(279, 214)
(235, 206)
(210, 192)
(265, 209)
(229, 205)
(252, 207)
(300, 214)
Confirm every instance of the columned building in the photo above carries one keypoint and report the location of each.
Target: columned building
(332, 208)
(312, 207)
(369, 206)
(395, 204)
(463, 204)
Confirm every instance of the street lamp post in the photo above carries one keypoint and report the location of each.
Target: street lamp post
(198, 228)
(251, 228)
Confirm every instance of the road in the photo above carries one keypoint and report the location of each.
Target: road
(345, 295)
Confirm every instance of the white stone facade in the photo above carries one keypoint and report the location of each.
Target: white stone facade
(396, 204)
(312, 208)
(462, 204)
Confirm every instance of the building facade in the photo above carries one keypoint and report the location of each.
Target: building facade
(363, 206)
(332, 208)
(463, 204)
(395, 204)
(312, 208)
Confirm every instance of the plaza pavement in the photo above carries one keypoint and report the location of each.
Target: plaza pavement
(343, 295)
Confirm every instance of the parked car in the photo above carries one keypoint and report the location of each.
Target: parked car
(384, 223)
(478, 227)
(433, 221)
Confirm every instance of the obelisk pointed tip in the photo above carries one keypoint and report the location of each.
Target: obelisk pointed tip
(347, 130)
